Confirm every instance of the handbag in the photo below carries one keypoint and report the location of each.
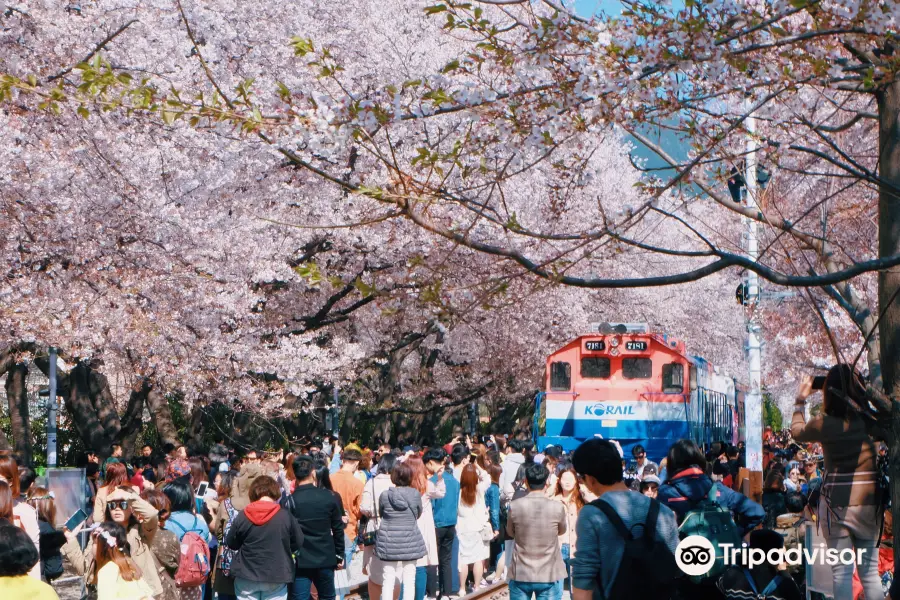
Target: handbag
(487, 530)
(370, 532)
(487, 533)
(341, 582)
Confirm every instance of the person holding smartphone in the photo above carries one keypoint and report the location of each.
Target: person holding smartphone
(848, 509)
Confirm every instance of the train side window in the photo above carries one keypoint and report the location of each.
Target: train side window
(595, 367)
(673, 378)
(693, 376)
(637, 368)
(560, 377)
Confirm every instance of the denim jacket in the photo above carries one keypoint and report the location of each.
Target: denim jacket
(446, 508)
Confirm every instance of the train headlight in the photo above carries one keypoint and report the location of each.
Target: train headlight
(614, 342)
(614, 352)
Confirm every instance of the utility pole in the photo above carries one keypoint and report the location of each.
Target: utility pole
(753, 405)
(51, 413)
(336, 414)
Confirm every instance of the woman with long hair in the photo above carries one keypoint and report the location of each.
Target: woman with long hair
(140, 522)
(429, 491)
(43, 501)
(568, 491)
(289, 471)
(117, 575)
(165, 547)
(6, 504)
(849, 508)
(473, 521)
(323, 481)
(773, 499)
(223, 582)
(23, 515)
(492, 500)
(116, 475)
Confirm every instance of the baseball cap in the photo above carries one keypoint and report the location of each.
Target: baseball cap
(650, 479)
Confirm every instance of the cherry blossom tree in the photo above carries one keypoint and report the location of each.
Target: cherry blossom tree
(479, 147)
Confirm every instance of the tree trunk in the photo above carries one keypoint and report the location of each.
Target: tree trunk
(162, 416)
(84, 415)
(17, 395)
(193, 436)
(104, 404)
(132, 420)
(889, 280)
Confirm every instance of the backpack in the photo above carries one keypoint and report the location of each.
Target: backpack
(193, 566)
(769, 589)
(714, 522)
(519, 491)
(226, 554)
(648, 568)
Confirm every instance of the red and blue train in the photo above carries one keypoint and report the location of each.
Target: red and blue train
(623, 382)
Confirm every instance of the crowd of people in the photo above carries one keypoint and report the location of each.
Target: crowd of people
(438, 522)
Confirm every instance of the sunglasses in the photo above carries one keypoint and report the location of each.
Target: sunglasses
(120, 504)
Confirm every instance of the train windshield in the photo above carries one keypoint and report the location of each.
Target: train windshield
(595, 367)
(560, 377)
(637, 368)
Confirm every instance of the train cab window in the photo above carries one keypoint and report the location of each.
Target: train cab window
(637, 368)
(595, 367)
(673, 378)
(560, 377)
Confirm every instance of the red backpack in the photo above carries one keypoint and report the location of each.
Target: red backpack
(193, 565)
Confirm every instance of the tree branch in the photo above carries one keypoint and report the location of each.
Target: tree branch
(96, 49)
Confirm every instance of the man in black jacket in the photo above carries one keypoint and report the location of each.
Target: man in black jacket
(323, 533)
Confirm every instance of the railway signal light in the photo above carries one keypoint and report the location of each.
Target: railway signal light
(743, 293)
(735, 184)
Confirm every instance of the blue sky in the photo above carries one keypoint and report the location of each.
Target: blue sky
(586, 8)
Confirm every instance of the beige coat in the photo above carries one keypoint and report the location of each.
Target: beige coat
(139, 538)
(570, 536)
(535, 523)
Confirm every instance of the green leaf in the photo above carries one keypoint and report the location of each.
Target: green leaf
(435, 9)
(363, 288)
(283, 92)
(168, 117)
(450, 66)
(302, 46)
(83, 112)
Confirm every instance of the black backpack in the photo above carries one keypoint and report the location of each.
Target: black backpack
(648, 568)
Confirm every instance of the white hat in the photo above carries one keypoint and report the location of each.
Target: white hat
(619, 446)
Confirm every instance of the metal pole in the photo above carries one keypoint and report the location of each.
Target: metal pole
(51, 413)
(335, 419)
(754, 407)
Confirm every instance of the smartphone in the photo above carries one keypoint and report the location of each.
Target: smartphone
(201, 491)
(818, 382)
(77, 519)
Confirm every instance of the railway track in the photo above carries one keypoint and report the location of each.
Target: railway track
(494, 591)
